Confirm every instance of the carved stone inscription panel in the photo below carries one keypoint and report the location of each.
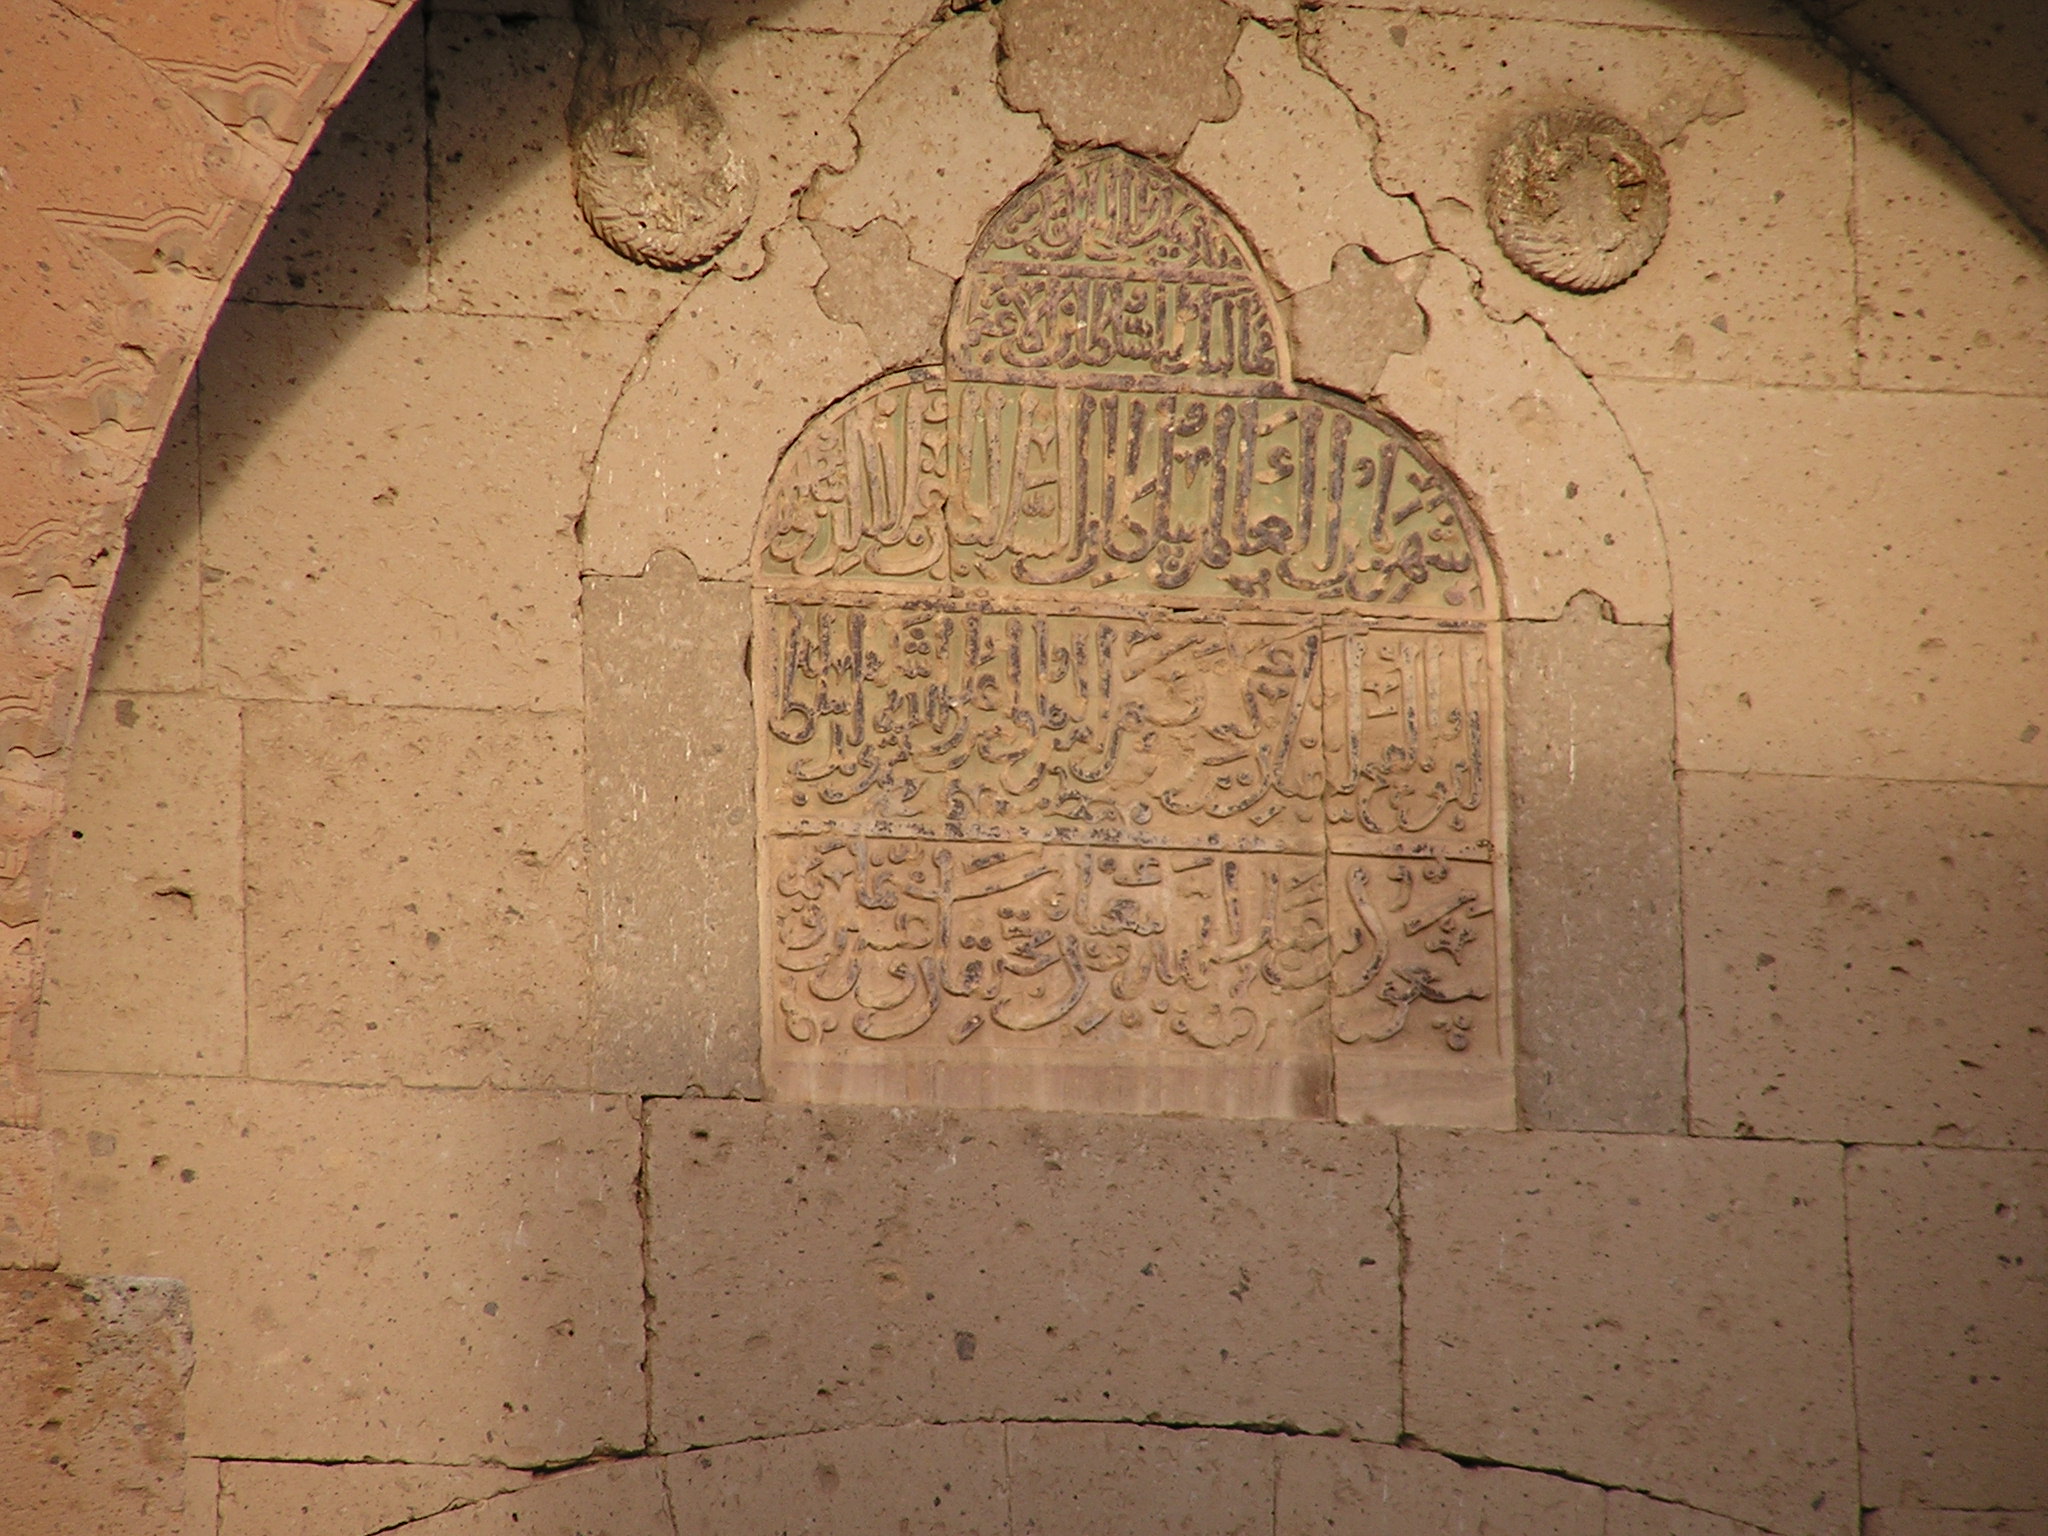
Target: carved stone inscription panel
(1129, 715)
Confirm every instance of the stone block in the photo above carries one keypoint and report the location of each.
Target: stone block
(391, 503)
(1753, 280)
(870, 281)
(618, 1498)
(1376, 1490)
(508, 236)
(1083, 1479)
(417, 898)
(1138, 75)
(144, 964)
(270, 1498)
(916, 1479)
(1549, 469)
(675, 952)
(1838, 619)
(1956, 1522)
(1633, 1514)
(1593, 829)
(149, 639)
(1952, 287)
(819, 1268)
(696, 434)
(1656, 1313)
(1343, 330)
(377, 1275)
(1293, 166)
(92, 1420)
(28, 1225)
(353, 229)
(202, 1497)
(939, 150)
(1866, 960)
(1946, 1251)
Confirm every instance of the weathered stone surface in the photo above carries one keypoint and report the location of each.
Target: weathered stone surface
(787, 96)
(21, 987)
(1137, 75)
(1376, 1490)
(688, 451)
(1082, 1479)
(374, 1273)
(202, 1497)
(1551, 473)
(1955, 1522)
(676, 957)
(818, 1268)
(1946, 1250)
(149, 638)
(1593, 818)
(620, 1498)
(1838, 618)
(882, 18)
(1866, 960)
(1753, 280)
(144, 966)
(31, 802)
(1294, 166)
(1655, 1313)
(353, 231)
(870, 281)
(391, 503)
(92, 1422)
(1345, 329)
(1765, 17)
(268, 1498)
(1952, 289)
(917, 1480)
(28, 1227)
(508, 239)
(1632, 1514)
(938, 148)
(417, 898)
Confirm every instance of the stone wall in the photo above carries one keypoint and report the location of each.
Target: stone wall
(401, 979)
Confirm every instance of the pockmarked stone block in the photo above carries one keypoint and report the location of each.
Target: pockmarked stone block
(1946, 1250)
(1956, 1522)
(1081, 1479)
(1129, 714)
(374, 1273)
(28, 1216)
(1360, 1489)
(1634, 1514)
(1867, 959)
(1599, 963)
(1659, 1313)
(819, 1268)
(263, 1498)
(675, 954)
(914, 1479)
(149, 639)
(618, 1498)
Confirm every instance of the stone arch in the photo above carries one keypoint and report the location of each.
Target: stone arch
(1129, 713)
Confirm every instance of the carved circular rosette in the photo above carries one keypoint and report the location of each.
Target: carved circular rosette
(1578, 199)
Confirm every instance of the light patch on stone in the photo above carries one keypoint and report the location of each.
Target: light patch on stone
(938, 148)
(1295, 166)
(1139, 74)
(870, 281)
(686, 457)
(1344, 330)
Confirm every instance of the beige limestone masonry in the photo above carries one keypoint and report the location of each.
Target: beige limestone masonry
(1866, 960)
(375, 1274)
(417, 897)
(150, 638)
(1631, 1514)
(390, 502)
(1951, 1333)
(1627, 1309)
(1326, 1485)
(819, 1268)
(675, 941)
(1754, 279)
(870, 281)
(1956, 1522)
(1344, 329)
(28, 1222)
(1864, 609)
(1952, 288)
(1293, 166)
(1080, 1479)
(620, 1498)
(918, 1480)
(1140, 75)
(145, 909)
(1735, 17)
(1600, 1027)
(271, 1498)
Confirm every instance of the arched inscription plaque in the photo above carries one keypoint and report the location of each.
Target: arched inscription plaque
(1128, 713)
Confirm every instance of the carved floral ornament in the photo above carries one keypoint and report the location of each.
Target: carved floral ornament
(1128, 712)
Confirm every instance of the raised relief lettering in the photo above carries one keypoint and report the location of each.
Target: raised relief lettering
(1128, 714)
